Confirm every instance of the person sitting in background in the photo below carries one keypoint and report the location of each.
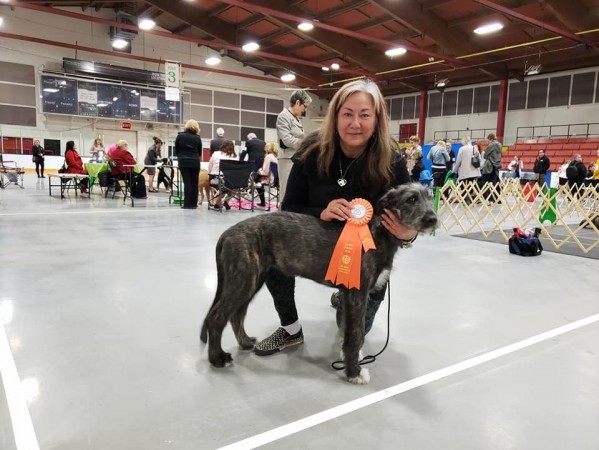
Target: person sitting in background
(75, 164)
(418, 165)
(151, 159)
(264, 175)
(38, 158)
(97, 151)
(119, 158)
(515, 167)
(227, 151)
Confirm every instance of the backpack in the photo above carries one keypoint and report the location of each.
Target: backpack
(475, 161)
(138, 187)
(572, 172)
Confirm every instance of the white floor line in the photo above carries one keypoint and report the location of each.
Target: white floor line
(103, 211)
(332, 413)
(25, 438)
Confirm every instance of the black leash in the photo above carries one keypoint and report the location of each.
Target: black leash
(340, 365)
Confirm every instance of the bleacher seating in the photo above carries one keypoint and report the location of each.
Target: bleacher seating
(557, 150)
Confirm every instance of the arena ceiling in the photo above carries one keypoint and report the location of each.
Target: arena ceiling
(438, 36)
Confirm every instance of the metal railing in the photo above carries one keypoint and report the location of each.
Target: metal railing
(458, 135)
(576, 130)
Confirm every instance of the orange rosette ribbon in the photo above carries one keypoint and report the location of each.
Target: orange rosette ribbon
(346, 261)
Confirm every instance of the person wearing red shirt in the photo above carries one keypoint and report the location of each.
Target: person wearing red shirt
(75, 164)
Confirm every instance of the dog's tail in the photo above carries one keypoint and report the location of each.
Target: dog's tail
(219, 288)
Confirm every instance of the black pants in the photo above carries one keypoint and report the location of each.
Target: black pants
(39, 167)
(490, 182)
(282, 289)
(190, 186)
(439, 174)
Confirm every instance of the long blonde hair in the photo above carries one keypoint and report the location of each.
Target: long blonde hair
(378, 172)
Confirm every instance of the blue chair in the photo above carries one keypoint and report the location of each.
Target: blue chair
(273, 188)
(426, 178)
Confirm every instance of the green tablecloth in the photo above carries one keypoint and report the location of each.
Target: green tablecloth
(93, 169)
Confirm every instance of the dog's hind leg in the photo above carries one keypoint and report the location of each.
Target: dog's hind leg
(237, 319)
(353, 336)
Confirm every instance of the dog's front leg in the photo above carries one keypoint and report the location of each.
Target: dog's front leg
(353, 335)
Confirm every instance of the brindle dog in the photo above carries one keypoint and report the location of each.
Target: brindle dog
(302, 245)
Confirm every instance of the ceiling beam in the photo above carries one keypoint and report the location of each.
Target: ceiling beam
(270, 8)
(516, 15)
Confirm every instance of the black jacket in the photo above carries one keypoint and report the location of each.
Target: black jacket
(541, 165)
(188, 149)
(581, 172)
(309, 193)
(38, 153)
(215, 144)
(254, 149)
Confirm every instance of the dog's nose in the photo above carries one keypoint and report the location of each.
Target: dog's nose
(430, 220)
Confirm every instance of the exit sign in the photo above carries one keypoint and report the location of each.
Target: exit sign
(126, 125)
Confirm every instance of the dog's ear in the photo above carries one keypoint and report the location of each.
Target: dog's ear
(389, 201)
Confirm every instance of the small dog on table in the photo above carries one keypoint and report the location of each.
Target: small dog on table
(165, 175)
(203, 186)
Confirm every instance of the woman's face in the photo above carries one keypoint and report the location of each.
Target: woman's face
(36, 142)
(356, 122)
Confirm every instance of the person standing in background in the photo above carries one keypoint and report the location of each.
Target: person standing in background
(217, 141)
(516, 167)
(490, 169)
(97, 150)
(254, 150)
(451, 154)
(542, 164)
(188, 149)
(38, 158)
(290, 132)
(151, 159)
(439, 159)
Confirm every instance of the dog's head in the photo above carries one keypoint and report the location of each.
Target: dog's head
(413, 205)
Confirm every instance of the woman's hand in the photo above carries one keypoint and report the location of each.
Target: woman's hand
(395, 227)
(338, 209)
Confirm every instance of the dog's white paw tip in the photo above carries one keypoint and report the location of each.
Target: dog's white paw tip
(363, 378)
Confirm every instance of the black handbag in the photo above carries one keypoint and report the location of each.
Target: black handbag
(522, 245)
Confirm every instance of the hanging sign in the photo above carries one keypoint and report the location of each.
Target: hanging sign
(172, 71)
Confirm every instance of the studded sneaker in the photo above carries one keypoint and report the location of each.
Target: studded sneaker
(278, 341)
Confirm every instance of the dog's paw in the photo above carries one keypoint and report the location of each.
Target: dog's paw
(221, 360)
(248, 343)
(363, 378)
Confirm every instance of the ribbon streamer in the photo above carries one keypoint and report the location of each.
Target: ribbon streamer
(346, 261)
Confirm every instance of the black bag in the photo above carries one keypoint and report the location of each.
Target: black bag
(475, 161)
(63, 169)
(282, 145)
(138, 187)
(104, 179)
(521, 245)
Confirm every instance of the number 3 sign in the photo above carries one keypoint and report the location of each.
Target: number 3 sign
(172, 74)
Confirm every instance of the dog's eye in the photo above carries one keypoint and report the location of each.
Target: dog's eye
(412, 199)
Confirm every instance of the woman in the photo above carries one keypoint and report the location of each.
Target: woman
(561, 172)
(152, 158)
(468, 175)
(264, 175)
(38, 158)
(120, 165)
(75, 164)
(97, 150)
(188, 149)
(515, 167)
(351, 156)
(227, 151)
(439, 159)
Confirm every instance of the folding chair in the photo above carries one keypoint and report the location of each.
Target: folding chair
(236, 182)
(12, 172)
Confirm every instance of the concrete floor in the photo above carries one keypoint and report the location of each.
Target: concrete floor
(101, 305)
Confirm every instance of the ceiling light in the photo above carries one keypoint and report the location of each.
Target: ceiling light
(396, 51)
(335, 66)
(534, 70)
(251, 47)
(287, 77)
(325, 69)
(489, 28)
(442, 83)
(213, 60)
(119, 43)
(52, 90)
(146, 24)
(305, 26)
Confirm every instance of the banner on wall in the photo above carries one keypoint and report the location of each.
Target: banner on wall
(172, 71)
